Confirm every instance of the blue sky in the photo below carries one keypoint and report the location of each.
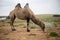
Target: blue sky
(37, 6)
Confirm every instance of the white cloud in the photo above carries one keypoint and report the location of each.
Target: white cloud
(37, 6)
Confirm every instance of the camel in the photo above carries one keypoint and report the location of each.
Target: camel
(24, 14)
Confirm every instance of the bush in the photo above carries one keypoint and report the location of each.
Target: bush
(7, 17)
(53, 34)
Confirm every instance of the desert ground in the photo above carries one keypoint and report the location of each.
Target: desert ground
(21, 34)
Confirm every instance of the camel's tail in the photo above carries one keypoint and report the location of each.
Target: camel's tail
(38, 22)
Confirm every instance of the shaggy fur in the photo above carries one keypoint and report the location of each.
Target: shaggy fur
(24, 14)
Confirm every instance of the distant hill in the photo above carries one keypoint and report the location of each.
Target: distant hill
(45, 17)
(48, 17)
(3, 16)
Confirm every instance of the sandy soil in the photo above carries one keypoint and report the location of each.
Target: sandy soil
(22, 34)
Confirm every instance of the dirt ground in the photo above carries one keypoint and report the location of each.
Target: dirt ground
(22, 34)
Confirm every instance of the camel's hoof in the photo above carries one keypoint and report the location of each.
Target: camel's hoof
(13, 29)
(28, 30)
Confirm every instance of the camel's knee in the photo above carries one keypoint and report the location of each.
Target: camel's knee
(10, 22)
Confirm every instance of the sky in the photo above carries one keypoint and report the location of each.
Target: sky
(37, 6)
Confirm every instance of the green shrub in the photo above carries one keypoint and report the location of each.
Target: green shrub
(53, 34)
(7, 17)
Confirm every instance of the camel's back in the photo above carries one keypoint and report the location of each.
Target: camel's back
(27, 11)
(22, 13)
(18, 13)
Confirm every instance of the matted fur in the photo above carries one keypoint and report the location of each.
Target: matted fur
(24, 13)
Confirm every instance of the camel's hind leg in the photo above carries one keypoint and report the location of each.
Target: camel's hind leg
(11, 23)
(28, 19)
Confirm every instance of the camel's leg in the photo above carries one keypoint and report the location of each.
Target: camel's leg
(11, 24)
(28, 19)
(43, 26)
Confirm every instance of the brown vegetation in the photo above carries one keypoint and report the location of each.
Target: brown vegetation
(21, 34)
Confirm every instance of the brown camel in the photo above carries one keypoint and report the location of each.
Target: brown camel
(24, 14)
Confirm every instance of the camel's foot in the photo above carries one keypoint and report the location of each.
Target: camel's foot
(28, 30)
(13, 29)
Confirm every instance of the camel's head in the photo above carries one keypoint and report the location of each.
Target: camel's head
(43, 27)
(18, 5)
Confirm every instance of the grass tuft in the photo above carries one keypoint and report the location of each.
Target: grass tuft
(53, 34)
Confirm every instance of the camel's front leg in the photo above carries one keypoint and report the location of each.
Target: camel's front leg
(11, 24)
(28, 19)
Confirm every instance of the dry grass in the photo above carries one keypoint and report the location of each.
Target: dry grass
(21, 34)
